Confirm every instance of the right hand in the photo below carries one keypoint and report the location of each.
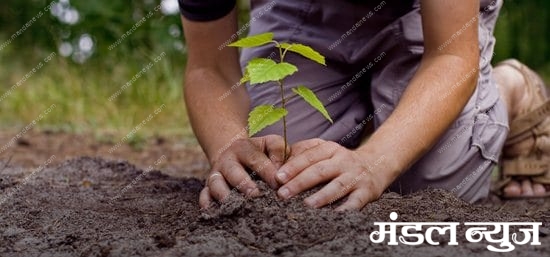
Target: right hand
(262, 155)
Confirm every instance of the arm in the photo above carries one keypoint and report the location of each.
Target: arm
(209, 74)
(425, 118)
(220, 124)
(420, 109)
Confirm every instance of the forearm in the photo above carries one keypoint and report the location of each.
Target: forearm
(422, 115)
(437, 93)
(217, 110)
(216, 121)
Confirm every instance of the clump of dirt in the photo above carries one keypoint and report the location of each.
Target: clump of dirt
(93, 207)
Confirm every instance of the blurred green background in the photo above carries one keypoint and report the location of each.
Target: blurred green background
(88, 67)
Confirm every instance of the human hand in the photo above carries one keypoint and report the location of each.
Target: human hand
(350, 173)
(262, 155)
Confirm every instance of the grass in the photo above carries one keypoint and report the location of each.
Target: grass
(81, 96)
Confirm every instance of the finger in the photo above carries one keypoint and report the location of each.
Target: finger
(336, 189)
(356, 200)
(320, 172)
(218, 187)
(253, 156)
(303, 160)
(260, 165)
(236, 176)
(275, 148)
(304, 145)
(204, 198)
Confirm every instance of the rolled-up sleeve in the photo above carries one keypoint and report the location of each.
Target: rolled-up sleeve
(205, 10)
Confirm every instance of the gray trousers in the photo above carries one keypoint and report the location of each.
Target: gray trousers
(373, 50)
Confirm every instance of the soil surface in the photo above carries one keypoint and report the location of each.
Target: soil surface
(96, 207)
(35, 147)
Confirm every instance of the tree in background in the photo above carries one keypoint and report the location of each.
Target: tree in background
(85, 30)
(115, 62)
(522, 30)
(100, 46)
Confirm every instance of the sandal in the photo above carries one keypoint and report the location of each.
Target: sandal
(526, 153)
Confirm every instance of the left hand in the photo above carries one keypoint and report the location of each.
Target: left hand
(315, 161)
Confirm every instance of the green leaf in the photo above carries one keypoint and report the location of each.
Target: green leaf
(305, 51)
(252, 41)
(312, 100)
(245, 77)
(263, 116)
(261, 70)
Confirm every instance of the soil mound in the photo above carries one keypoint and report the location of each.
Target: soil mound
(95, 207)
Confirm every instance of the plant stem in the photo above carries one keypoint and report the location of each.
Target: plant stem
(283, 103)
(283, 100)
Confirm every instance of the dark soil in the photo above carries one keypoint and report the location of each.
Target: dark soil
(94, 207)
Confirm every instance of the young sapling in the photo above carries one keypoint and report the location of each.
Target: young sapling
(263, 70)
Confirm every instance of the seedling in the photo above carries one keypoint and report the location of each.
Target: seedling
(263, 70)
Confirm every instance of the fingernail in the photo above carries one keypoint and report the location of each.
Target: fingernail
(284, 192)
(311, 202)
(204, 208)
(281, 176)
(252, 192)
(249, 191)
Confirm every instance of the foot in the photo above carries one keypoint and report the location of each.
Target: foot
(524, 91)
(524, 188)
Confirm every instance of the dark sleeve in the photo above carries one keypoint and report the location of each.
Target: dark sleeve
(205, 10)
